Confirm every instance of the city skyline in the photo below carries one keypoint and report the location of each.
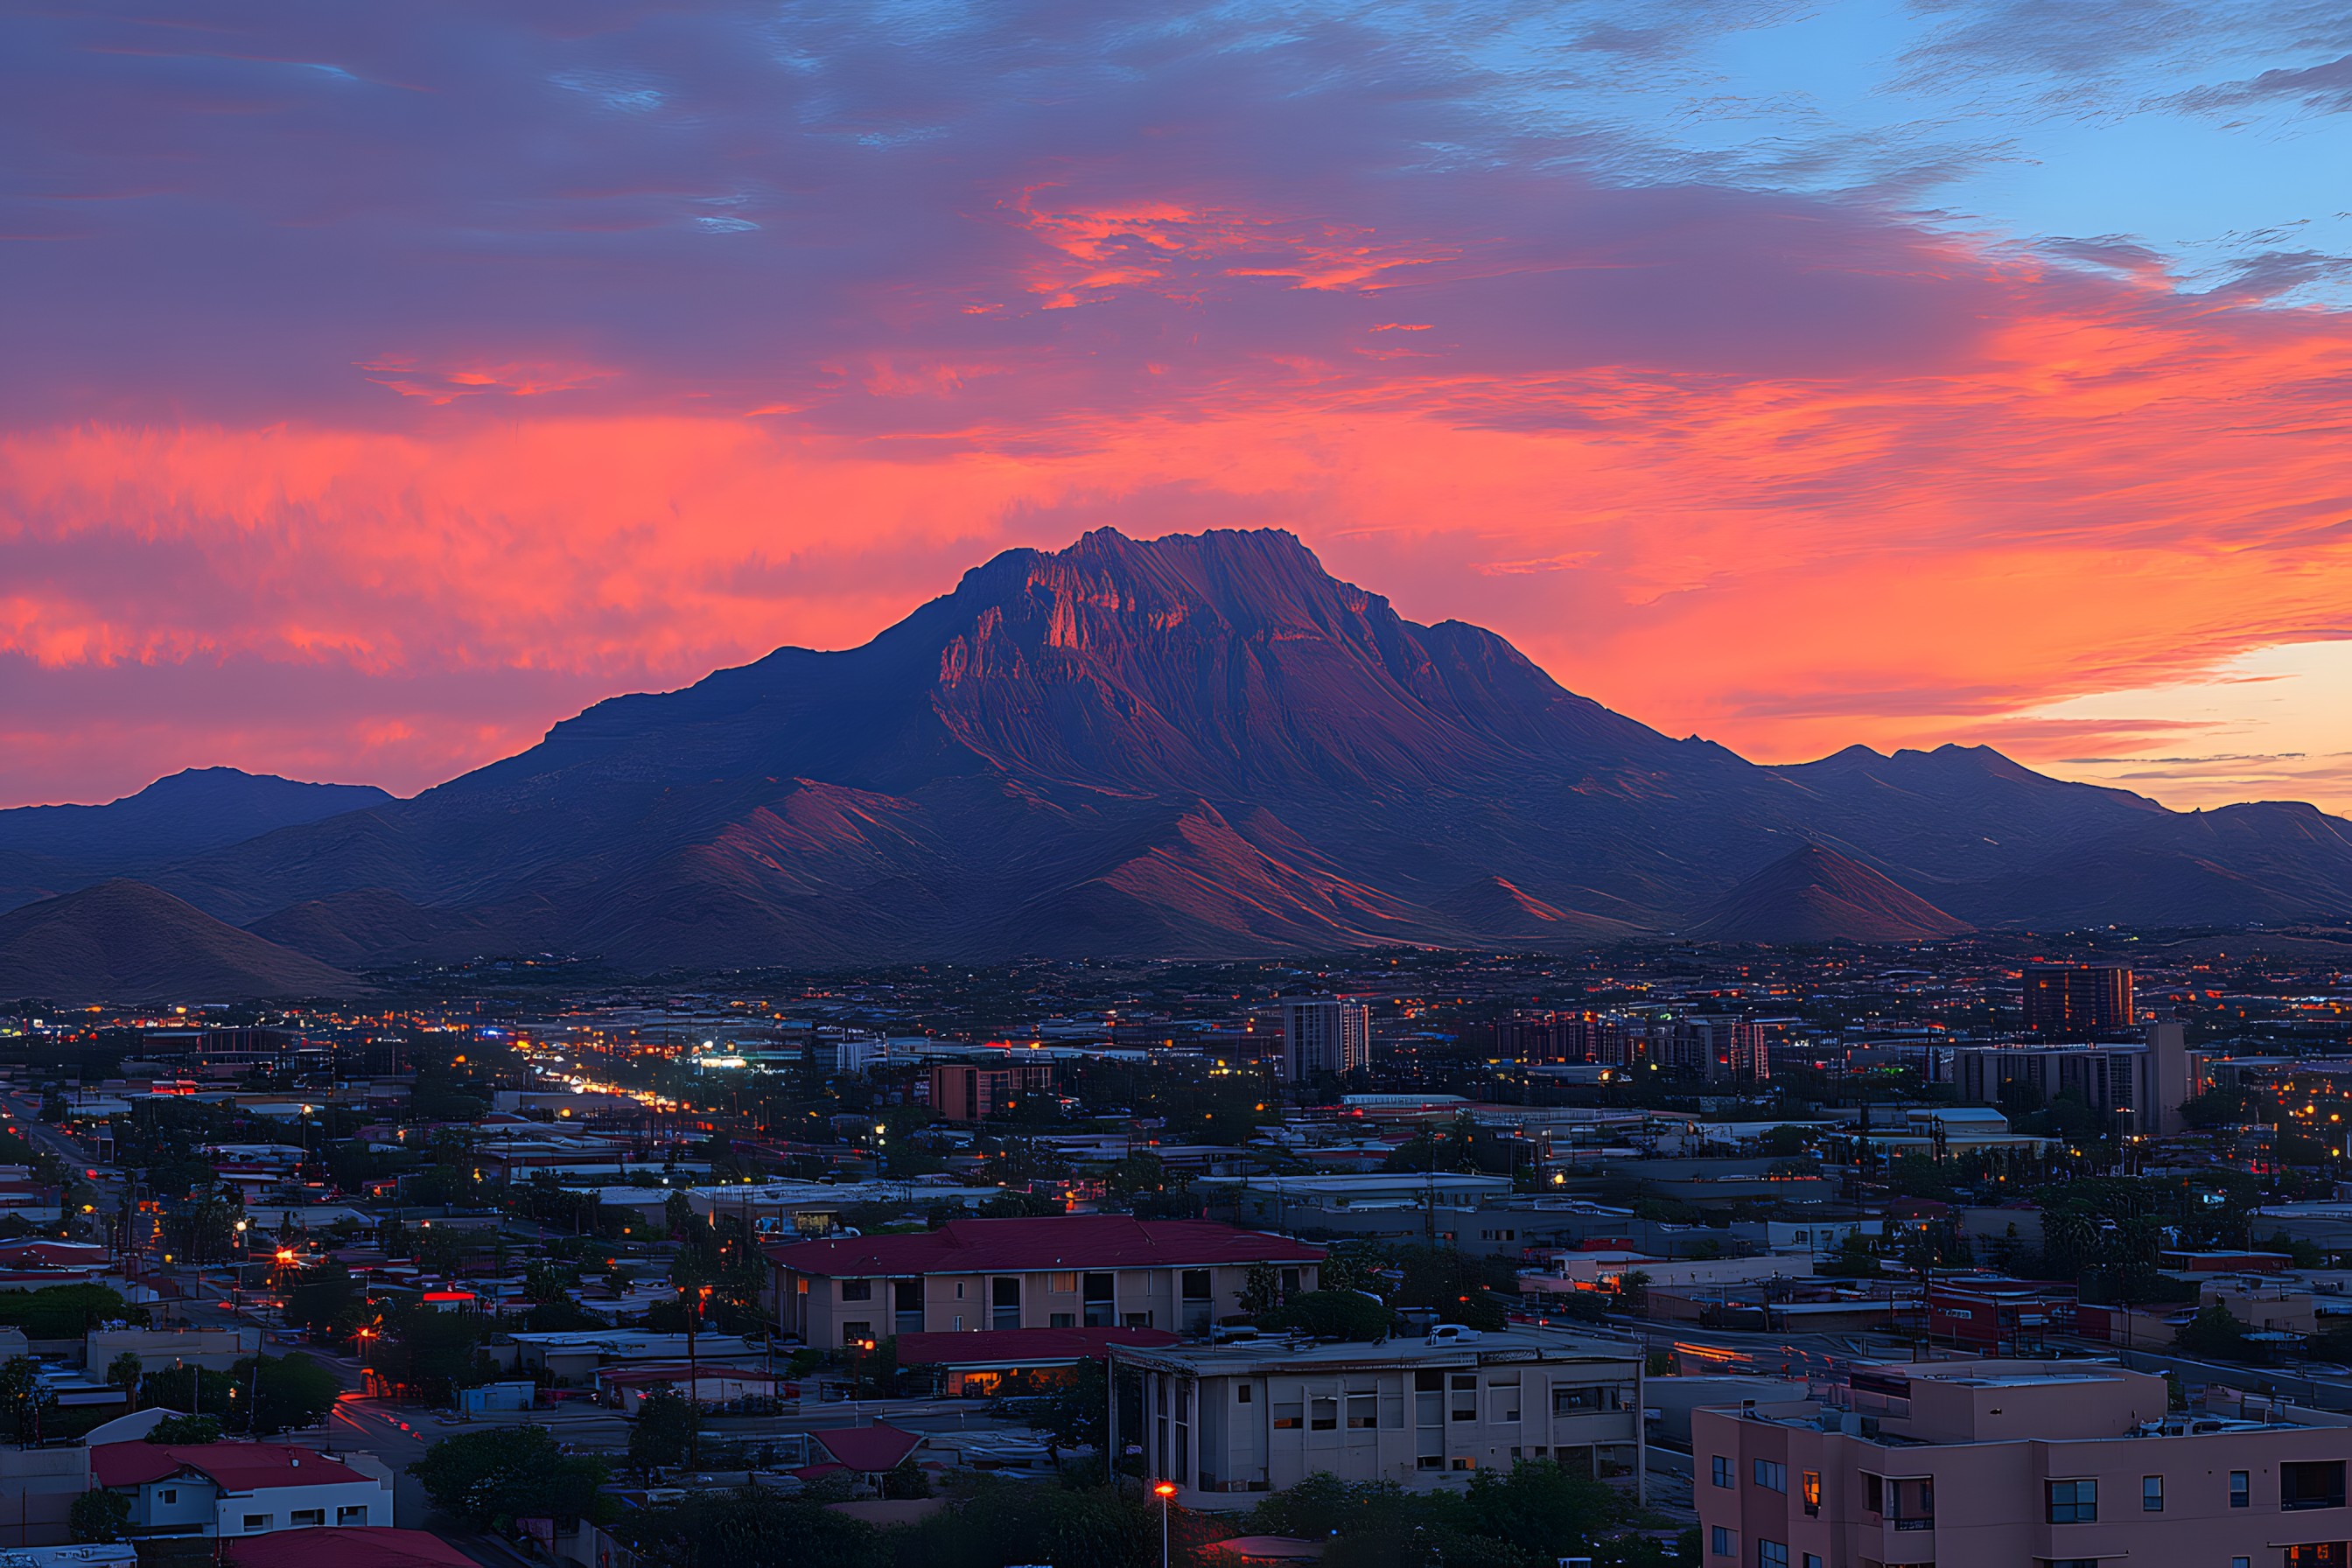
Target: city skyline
(1797, 376)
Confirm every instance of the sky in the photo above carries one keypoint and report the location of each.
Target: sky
(384, 384)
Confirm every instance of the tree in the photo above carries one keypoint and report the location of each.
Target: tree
(1072, 1409)
(124, 1371)
(22, 1399)
(1852, 1260)
(64, 1312)
(2215, 1332)
(667, 1424)
(1333, 1315)
(287, 1392)
(194, 1430)
(326, 1296)
(98, 1516)
(755, 1527)
(490, 1478)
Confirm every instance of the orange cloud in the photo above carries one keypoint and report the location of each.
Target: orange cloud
(2093, 500)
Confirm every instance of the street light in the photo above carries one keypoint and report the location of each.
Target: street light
(1166, 1492)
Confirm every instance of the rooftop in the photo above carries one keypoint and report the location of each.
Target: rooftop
(1256, 1357)
(1063, 1241)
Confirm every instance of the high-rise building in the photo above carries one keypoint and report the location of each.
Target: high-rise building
(2077, 1001)
(2145, 1084)
(1716, 1048)
(1323, 1033)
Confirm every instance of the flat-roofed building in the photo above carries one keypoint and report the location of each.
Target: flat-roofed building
(2002, 1461)
(1225, 1422)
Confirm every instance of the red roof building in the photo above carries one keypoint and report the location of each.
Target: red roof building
(870, 1450)
(373, 1548)
(241, 1488)
(1063, 1271)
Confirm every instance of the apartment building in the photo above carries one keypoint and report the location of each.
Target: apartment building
(962, 1091)
(1066, 1271)
(1323, 1035)
(1226, 1421)
(2040, 1464)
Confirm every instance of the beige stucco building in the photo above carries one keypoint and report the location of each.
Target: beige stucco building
(2024, 1463)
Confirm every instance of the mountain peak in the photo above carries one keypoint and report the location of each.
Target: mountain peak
(1813, 893)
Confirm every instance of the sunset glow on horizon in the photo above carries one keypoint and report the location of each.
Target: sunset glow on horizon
(386, 388)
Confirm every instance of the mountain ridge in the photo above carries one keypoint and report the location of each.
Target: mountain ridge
(1201, 745)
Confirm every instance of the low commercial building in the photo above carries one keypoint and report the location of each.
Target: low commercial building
(159, 1350)
(991, 1362)
(1068, 1271)
(2002, 1461)
(1226, 1421)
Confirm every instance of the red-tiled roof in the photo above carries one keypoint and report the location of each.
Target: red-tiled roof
(1021, 1347)
(232, 1466)
(368, 1548)
(1053, 1241)
(874, 1447)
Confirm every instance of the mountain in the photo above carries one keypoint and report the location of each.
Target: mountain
(1203, 746)
(1817, 895)
(124, 941)
(46, 850)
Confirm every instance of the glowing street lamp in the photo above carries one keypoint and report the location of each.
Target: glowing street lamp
(1166, 1492)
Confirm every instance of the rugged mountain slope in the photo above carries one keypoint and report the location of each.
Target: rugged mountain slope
(1203, 745)
(1812, 894)
(124, 941)
(47, 849)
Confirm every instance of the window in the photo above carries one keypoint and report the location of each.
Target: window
(1429, 1462)
(1062, 1284)
(2241, 1491)
(1808, 1488)
(1464, 1462)
(257, 1521)
(2069, 1562)
(307, 1517)
(856, 1333)
(1578, 1400)
(1723, 1543)
(1364, 1411)
(1137, 1319)
(1813, 1560)
(1062, 1320)
(2317, 1483)
(857, 1289)
(1241, 1394)
(169, 1494)
(1771, 1554)
(356, 1514)
(1195, 1284)
(1719, 1470)
(1098, 1292)
(1004, 1301)
(1290, 1281)
(1463, 1389)
(2074, 1502)
(1874, 1494)
(1289, 1414)
(1323, 1414)
(1771, 1475)
(2151, 1494)
(1503, 1399)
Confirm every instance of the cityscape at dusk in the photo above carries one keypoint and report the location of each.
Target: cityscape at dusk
(917, 785)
